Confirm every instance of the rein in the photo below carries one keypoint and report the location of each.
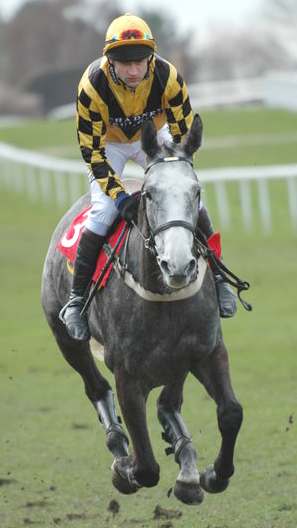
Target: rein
(219, 267)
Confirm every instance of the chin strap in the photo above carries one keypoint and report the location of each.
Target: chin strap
(213, 255)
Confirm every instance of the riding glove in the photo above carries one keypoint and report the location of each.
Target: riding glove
(127, 205)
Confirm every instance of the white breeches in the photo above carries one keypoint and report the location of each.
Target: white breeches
(103, 211)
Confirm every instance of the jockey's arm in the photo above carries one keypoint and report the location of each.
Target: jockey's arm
(178, 108)
(91, 132)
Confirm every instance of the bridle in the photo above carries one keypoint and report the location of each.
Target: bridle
(149, 242)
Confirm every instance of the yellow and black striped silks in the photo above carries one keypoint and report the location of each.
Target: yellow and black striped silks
(109, 112)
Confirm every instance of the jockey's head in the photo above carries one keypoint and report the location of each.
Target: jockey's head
(129, 47)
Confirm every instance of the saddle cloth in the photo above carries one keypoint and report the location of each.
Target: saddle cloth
(68, 244)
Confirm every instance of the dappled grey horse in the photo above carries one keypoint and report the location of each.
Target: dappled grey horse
(158, 320)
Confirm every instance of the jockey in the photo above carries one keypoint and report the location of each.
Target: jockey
(117, 92)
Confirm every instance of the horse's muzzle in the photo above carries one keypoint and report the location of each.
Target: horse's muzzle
(178, 276)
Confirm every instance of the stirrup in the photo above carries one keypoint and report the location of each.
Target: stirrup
(72, 302)
(226, 298)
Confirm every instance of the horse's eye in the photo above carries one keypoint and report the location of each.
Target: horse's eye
(148, 195)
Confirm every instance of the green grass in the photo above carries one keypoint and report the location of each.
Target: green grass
(52, 448)
(53, 462)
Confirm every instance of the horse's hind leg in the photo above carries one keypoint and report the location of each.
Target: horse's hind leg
(97, 388)
(187, 486)
(214, 374)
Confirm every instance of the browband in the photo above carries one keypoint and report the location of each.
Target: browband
(168, 159)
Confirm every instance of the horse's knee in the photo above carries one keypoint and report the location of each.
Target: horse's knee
(230, 417)
(148, 477)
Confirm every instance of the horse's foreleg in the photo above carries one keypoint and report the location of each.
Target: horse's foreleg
(214, 374)
(141, 469)
(97, 388)
(187, 487)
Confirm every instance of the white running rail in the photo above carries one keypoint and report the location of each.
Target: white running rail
(54, 180)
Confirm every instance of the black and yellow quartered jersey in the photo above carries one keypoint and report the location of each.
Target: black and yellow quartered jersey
(107, 111)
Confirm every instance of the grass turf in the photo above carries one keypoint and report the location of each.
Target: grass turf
(54, 464)
(54, 467)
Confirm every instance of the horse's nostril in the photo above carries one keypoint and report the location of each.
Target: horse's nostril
(164, 266)
(191, 266)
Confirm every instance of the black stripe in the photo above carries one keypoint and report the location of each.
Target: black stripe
(96, 142)
(180, 80)
(154, 100)
(95, 116)
(187, 109)
(100, 170)
(183, 127)
(84, 99)
(177, 100)
(170, 116)
(162, 72)
(99, 81)
(84, 126)
(112, 184)
(86, 154)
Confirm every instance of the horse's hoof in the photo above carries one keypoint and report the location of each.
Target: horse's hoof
(122, 477)
(211, 483)
(190, 494)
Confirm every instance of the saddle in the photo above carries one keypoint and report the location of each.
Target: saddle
(68, 244)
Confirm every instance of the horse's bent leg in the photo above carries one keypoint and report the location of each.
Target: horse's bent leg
(141, 469)
(216, 378)
(187, 487)
(97, 388)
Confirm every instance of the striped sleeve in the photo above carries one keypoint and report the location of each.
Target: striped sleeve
(178, 107)
(91, 132)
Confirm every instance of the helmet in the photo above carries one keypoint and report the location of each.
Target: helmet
(129, 38)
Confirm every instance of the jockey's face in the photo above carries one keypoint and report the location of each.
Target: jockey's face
(131, 73)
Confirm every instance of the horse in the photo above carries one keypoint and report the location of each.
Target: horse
(158, 320)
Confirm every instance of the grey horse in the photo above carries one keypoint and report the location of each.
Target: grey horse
(158, 320)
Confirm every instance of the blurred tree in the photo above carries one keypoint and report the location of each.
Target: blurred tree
(240, 54)
(40, 37)
(45, 35)
(173, 44)
(279, 18)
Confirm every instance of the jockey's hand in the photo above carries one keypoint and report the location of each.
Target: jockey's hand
(127, 204)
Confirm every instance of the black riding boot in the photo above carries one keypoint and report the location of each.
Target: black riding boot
(226, 297)
(84, 267)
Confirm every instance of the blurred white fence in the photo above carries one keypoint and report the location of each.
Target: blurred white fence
(59, 181)
(275, 89)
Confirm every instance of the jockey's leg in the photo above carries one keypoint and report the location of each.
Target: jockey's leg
(102, 215)
(226, 297)
(85, 264)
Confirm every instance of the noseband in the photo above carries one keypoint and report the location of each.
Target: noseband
(150, 241)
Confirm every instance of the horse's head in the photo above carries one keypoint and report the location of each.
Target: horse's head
(171, 195)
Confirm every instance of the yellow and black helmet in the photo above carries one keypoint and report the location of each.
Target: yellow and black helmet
(129, 38)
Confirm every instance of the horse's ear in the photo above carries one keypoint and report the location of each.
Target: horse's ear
(194, 136)
(149, 139)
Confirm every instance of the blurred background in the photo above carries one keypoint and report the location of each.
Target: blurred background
(239, 60)
(46, 44)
